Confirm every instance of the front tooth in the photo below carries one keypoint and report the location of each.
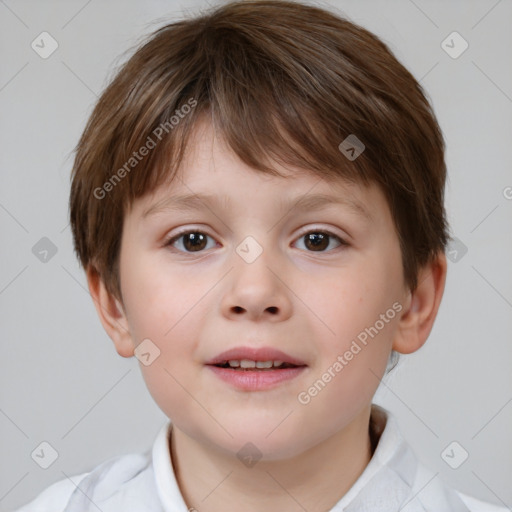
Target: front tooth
(264, 364)
(246, 363)
(277, 362)
(234, 363)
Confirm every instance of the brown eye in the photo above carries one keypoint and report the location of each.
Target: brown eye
(319, 241)
(316, 241)
(191, 241)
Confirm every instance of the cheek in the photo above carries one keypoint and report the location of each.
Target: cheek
(347, 300)
(167, 309)
(349, 372)
(356, 322)
(157, 297)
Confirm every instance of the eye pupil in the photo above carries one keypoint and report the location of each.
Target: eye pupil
(317, 240)
(197, 241)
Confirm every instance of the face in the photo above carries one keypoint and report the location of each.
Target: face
(246, 270)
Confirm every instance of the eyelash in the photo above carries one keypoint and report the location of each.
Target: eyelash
(177, 236)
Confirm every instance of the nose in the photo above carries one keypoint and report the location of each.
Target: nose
(257, 291)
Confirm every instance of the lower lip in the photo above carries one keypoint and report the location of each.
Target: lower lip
(256, 380)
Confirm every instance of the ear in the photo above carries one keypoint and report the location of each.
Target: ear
(111, 313)
(418, 317)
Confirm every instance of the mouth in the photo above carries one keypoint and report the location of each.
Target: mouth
(255, 369)
(251, 358)
(245, 365)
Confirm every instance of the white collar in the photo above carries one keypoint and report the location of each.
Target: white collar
(392, 480)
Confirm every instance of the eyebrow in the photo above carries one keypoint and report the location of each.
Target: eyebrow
(199, 201)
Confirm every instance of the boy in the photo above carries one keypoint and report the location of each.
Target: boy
(258, 202)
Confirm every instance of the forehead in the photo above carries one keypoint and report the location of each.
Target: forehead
(211, 175)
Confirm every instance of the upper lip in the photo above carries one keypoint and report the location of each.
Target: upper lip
(254, 354)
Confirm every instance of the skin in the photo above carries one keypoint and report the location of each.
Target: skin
(311, 303)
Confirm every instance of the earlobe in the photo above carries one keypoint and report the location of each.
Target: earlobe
(418, 317)
(111, 314)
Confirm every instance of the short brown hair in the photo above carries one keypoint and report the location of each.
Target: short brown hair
(281, 81)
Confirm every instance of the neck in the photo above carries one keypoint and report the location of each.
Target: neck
(315, 480)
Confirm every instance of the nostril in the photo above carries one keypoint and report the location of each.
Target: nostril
(272, 309)
(238, 309)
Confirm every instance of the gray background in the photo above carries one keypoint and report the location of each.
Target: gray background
(61, 380)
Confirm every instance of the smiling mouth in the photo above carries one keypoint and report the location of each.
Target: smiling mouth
(250, 375)
(245, 365)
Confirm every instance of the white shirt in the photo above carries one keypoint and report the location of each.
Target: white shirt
(393, 480)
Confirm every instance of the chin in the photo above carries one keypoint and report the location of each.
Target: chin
(269, 439)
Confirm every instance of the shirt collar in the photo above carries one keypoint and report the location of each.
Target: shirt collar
(387, 483)
(166, 483)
